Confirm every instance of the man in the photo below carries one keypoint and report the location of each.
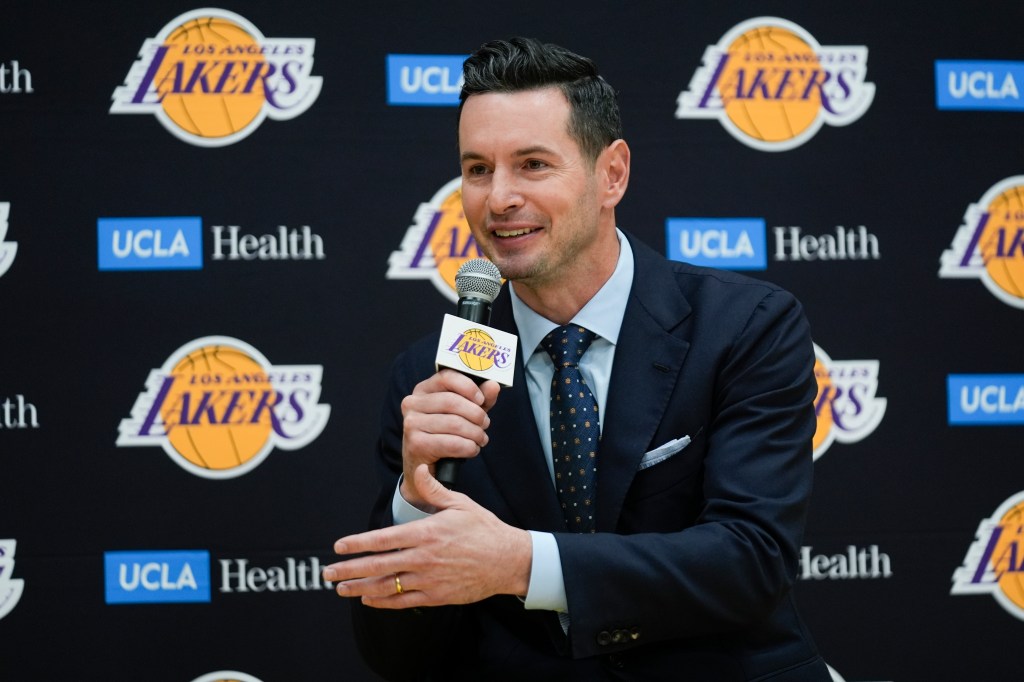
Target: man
(669, 549)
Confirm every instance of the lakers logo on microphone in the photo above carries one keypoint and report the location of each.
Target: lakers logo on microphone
(478, 350)
(218, 407)
(211, 78)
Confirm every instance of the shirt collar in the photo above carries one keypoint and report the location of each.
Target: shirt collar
(602, 314)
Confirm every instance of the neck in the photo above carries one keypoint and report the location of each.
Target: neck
(560, 300)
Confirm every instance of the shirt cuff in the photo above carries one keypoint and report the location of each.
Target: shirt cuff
(402, 511)
(547, 586)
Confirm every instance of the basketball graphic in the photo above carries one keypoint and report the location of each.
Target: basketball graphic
(763, 115)
(218, 408)
(989, 244)
(192, 427)
(822, 406)
(846, 407)
(210, 77)
(192, 49)
(452, 243)
(475, 350)
(226, 676)
(438, 243)
(992, 564)
(1005, 555)
(1002, 243)
(772, 86)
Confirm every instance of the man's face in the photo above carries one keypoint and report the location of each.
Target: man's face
(529, 196)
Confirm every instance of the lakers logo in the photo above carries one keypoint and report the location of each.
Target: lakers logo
(772, 86)
(437, 243)
(211, 78)
(217, 407)
(8, 250)
(478, 350)
(990, 243)
(226, 676)
(10, 588)
(846, 406)
(995, 560)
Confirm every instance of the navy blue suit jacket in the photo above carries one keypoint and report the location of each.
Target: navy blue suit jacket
(689, 574)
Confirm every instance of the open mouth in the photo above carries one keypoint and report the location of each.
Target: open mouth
(505, 234)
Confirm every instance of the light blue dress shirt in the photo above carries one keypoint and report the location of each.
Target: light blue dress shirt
(603, 316)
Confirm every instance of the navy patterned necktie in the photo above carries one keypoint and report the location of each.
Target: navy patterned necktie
(575, 428)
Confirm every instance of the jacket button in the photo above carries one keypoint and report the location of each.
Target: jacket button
(603, 638)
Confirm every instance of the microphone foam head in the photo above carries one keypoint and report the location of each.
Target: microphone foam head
(478, 278)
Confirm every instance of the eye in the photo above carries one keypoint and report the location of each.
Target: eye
(535, 164)
(476, 169)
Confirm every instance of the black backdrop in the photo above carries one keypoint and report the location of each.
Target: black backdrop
(78, 342)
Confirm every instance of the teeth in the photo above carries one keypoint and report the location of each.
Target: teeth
(513, 233)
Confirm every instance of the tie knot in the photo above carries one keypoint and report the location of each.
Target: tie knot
(567, 344)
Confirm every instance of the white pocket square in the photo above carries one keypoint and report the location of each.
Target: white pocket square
(663, 452)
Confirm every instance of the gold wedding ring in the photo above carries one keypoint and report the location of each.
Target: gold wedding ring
(398, 585)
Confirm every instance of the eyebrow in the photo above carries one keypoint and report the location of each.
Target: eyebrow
(526, 151)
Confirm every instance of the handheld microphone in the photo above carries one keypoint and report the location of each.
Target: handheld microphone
(477, 283)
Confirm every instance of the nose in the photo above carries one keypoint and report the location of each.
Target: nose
(505, 194)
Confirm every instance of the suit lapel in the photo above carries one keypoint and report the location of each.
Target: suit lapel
(648, 358)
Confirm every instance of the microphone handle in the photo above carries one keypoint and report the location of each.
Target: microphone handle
(475, 310)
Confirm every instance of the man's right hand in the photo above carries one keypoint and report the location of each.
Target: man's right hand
(446, 416)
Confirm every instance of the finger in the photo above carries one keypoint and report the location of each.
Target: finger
(444, 425)
(425, 448)
(490, 389)
(406, 600)
(455, 382)
(445, 403)
(376, 541)
(377, 587)
(432, 491)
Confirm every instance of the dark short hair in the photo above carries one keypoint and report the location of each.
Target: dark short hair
(519, 64)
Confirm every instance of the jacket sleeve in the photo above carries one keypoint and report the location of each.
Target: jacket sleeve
(402, 644)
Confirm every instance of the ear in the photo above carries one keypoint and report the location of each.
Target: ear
(614, 175)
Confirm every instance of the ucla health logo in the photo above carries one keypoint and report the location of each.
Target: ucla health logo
(8, 250)
(424, 79)
(990, 243)
(15, 79)
(437, 243)
(211, 78)
(154, 577)
(218, 407)
(990, 85)
(846, 406)
(994, 564)
(985, 399)
(10, 588)
(731, 243)
(772, 86)
(150, 243)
